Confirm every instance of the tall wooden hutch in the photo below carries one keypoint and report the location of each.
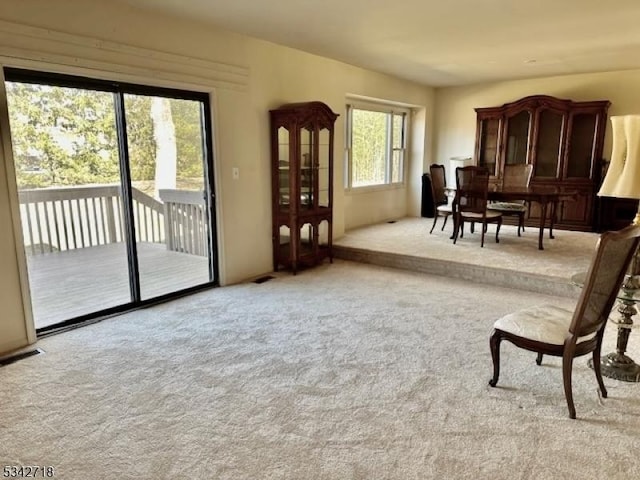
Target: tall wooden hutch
(302, 184)
(562, 139)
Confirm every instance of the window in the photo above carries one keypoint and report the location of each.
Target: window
(376, 144)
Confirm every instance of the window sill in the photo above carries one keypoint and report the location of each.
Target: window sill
(374, 188)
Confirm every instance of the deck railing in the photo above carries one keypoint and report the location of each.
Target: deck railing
(67, 218)
(185, 221)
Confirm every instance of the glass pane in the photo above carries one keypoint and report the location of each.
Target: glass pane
(398, 131)
(396, 166)
(580, 156)
(548, 151)
(397, 148)
(323, 233)
(169, 194)
(517, 138)
(283, 166)
(306, 168)
(283, 244)
(323, 168)
(284, 236)
(306, 239)
(68, 176)
(369, 147)
(489, 144)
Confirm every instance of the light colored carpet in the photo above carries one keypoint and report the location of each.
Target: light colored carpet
(346, 371)
(567, 253)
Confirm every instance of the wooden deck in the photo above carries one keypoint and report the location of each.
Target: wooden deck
(71, 283)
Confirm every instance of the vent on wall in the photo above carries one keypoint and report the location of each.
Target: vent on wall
(266, 278)
(19, 356)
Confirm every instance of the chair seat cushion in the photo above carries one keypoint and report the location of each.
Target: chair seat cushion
(445, 209)
(489, 215)
(508, 207)
(546, 323)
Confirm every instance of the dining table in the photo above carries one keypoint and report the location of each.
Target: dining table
(547, 196)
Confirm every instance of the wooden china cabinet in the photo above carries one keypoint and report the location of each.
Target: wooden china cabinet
(562, 139)
(302, 184)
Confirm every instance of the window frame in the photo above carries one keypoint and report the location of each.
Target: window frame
(393, 111)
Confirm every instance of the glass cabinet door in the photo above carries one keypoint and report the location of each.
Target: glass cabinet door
(283, 167)
(488, 148)
(306, 161)
(324, 138)
(550, 125)
(517, 141)
(581, 145)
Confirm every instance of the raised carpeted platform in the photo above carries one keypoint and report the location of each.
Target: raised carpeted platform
(515, 262)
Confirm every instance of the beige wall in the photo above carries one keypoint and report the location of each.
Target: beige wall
(246, 78)
(456, 118)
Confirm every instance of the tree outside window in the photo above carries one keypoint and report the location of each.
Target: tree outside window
(376, 144)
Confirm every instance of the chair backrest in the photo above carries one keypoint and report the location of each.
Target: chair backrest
(609, 264)
(438, 184)
(517, 175)
(472, 187)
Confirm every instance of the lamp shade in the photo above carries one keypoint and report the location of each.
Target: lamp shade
(457, 162)
(623, 175)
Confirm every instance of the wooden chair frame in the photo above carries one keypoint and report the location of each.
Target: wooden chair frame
(475, 197)
(518, 175)
(440, 198)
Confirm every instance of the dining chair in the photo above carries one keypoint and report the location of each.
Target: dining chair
(440, 197)
(514, 176)
(470, 202)
(552, 330)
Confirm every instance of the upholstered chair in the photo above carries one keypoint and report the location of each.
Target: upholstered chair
(552, 330)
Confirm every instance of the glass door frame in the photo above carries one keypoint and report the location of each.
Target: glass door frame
(119, 90)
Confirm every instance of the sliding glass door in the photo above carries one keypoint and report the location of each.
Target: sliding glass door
(166, 148)
(115, 193)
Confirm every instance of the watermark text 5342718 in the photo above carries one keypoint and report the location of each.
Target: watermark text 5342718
(28, 471)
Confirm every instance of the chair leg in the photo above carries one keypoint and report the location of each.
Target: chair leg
(484, 229)
(598, 370)
(456, 229)
(520, 223)
(567, 367)
(498, 229)
(446, 217)
(472, 229)
(539, 359)
(494, 345)
(435, 219)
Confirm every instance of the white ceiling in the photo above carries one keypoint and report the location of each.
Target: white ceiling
(438, 42)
